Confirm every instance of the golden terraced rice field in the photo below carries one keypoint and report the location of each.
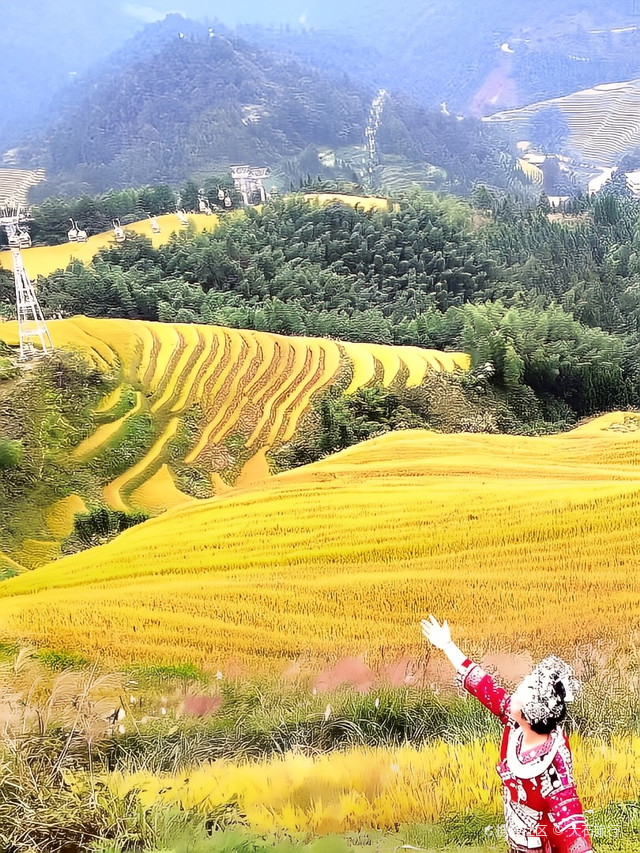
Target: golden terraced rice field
(43, 260)
(522, 543)
(252, 389)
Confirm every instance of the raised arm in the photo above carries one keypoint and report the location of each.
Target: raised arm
(469, 675)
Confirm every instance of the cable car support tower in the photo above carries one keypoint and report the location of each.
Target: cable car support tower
(31, 323)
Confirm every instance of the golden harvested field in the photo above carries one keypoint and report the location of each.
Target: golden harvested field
(361, 788)
(252, 388)
(365, 202)
(522, 543)
(43, 260)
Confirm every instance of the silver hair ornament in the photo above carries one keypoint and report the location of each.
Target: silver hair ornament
(547, 703)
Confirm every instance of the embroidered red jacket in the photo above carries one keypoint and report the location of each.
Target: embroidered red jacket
(541, 806)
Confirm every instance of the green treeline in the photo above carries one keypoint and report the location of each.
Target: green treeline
(553, 307)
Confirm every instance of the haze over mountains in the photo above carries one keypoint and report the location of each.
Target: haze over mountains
(71, 75)
(184, 99)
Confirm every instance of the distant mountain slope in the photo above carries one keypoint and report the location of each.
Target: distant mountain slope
(166, 110)
(475, 56)
(604, 122)
(44, 47)
(194, 104)
(531, 541)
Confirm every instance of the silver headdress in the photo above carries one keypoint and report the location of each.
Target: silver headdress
(548, 702)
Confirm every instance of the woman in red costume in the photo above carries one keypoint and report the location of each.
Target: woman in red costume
(541, 807)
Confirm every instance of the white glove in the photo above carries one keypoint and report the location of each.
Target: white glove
(438, 635)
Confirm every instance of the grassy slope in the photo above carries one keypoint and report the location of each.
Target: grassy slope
(524, 543)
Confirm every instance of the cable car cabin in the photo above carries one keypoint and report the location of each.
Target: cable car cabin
(182, 216)
(155, 227)
(220, 194)
(76, 234)
(118, 231)
(227, 201)
(24, 239)
(204, 207)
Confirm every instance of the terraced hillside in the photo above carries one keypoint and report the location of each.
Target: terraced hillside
(211, 399)
(524, 543)
(604, 121)
(16, 183)
(43, 260)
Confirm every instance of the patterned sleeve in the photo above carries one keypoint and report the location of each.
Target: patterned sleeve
(563, 805)
(480, 684)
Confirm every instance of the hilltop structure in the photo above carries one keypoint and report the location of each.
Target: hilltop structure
(248, 182)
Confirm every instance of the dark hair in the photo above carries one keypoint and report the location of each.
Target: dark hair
(545, 727)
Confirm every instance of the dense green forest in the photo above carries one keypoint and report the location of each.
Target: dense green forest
(551, 304)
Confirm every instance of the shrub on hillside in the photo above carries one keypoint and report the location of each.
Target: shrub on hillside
(10, 454)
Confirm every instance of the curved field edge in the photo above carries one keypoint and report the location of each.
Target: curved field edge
(44, 260)
(251, 388)
(525, 543)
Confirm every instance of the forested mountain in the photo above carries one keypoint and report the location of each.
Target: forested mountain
(477, 58)
(183, 100)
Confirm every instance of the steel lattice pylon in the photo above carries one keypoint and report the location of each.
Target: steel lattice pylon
(31, 323)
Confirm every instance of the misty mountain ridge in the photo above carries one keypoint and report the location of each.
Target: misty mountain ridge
(183, 100)
(486, 57)
(445, 51)
(155, 110)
